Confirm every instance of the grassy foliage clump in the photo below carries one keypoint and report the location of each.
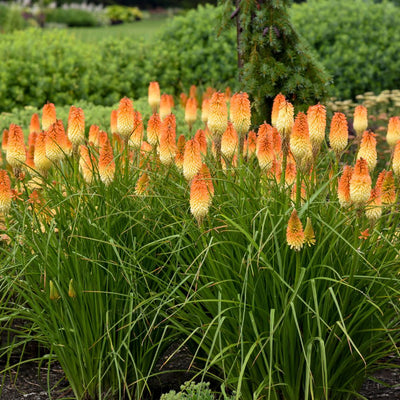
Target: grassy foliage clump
(111, 272)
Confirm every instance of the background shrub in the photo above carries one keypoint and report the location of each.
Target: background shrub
(71, 17)
(123, 14)
(357, 41)
(11, 19)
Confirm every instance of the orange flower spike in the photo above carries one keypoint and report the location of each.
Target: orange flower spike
(94, 135)
(205, 107)
(360, 121)
(393, 132)
(208, 93)
(200, 198)
(16, 151)
(86, 163)
(191, 159)
(265, 147)
(42, 163)
(316, 118)
(218, 115)
(285, 120)
(53, 148)
(368, 150)
(34, 126)
(49, 116)
(76, 126)
(373, 210)
(191, 112)
(291, 171)
(153, 129)
(240, 113)
(106, 163)
(193, 91)
(62, 139)
(276, 170)
(102, 138)
(277, 141)
(154, 96)
(344, 187)
(279, 98)
(338, 135)
(294, 232)
(165, 106)
(200, 136)
(360, 183)
(183, 98)
(125, 118)
(180, 152)
(229, 142)
(300, 144)
(136, 138)
(5, 192)
(30, 160)
(114, 122)
(142, 184)
(251, 144)
(167, 147)
(4, 141)
(396, 159)
(388, 194)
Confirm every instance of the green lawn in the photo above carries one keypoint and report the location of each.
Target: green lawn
(145, 28)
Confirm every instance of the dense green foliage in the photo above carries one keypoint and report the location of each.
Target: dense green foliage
(11, 19)
(357, 41)
(123, 14)
(71, 17)
(273, 59)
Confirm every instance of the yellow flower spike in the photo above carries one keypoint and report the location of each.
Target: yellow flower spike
(49, 116)
(360, 122)
(316, 118)
(368, 150)
(200, 198)
(167, 147)
(338, 135)
(285, 120)
(388, 189)
(71, 289)
(393, 131)
(396, 159)
(76, 126)
(265, 147)
(294, 232)
(344, 187)
(309, 235)
(373, 210)
(300, 144)
(16, 151)
(279, 98)
(240, 113)
(53, 147)
(229, 142)
(191, 159)
(125, 118)
(142, 184)
(360, 183)
(154, 96)
(42, 163)
(165, 106)
(5, 192)
(191, 112)
(106, 163)
(153, 129)
(54, 295)
(218, 115)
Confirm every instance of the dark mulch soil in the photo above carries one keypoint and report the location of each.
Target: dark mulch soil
(31, 381)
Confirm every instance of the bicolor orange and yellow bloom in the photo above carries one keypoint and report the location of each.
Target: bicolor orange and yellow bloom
(344, 187)
(136, 138)
(154, 96)
(396, 159)
(265, 147)
(5, 192)
(279, 98)
(250, 146)
(316, 118)
(360, 183)
(86, 164)
(16, 151)
(291, 171)
(229, 142)
(285, 120)
(191, 159)
(240, 113)
(49, 116)
(339, 134)
(300, 144)
(76, 126)
(180, 152)
(200, 136)
(191, 112)
(142, 184)
(368, 149)
(34, 126)
(205, 107)
(217, 115)
(393, 131)
(388, 189)
(42, 163)
(106, 163)
(125, 118)
(200, 197)
(373, 210)
(294, 232)
(360, 121)
(167, 147)
(154, 129)
(165, 106)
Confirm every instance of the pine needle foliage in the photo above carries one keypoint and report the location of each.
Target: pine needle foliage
(272, 57)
